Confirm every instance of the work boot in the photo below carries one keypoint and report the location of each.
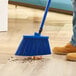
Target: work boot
(35, 57)
(71, 56)
(69, 48)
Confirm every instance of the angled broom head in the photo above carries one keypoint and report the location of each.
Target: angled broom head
(37, 44)
(34, 46)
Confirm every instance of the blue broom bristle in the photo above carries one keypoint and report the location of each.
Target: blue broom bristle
(33, 46)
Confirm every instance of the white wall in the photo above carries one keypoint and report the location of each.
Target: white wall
(3, 15)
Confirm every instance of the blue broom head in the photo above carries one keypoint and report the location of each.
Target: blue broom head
(34, 46)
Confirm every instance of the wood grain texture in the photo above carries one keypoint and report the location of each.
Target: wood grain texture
(23, 20)
(52, 65)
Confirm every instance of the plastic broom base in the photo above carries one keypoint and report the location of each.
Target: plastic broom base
(33, 46)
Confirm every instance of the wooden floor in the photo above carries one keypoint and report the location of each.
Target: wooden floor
(23, 20)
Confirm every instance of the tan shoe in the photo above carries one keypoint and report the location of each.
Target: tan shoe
(71, 56)
(35, 57)
(69, 48)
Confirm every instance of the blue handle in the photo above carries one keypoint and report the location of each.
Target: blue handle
(44, 17)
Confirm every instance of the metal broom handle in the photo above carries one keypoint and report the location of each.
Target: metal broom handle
(44, 17)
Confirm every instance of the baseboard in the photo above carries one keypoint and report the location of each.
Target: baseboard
(40, 7)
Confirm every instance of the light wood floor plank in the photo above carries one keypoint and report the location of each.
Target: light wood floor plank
(23, 20)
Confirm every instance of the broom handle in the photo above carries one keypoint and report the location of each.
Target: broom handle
(44, 17)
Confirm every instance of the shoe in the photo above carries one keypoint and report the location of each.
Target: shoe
(71, 56)
(35, 57)
(69, 48)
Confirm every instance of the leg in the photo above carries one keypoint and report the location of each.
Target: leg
(72, 56)
(73, 40)
(71, 47)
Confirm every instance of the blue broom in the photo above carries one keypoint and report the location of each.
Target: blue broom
(35, 45)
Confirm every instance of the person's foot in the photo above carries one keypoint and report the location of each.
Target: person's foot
(71, 56)
(35, 57)
(69, 48)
